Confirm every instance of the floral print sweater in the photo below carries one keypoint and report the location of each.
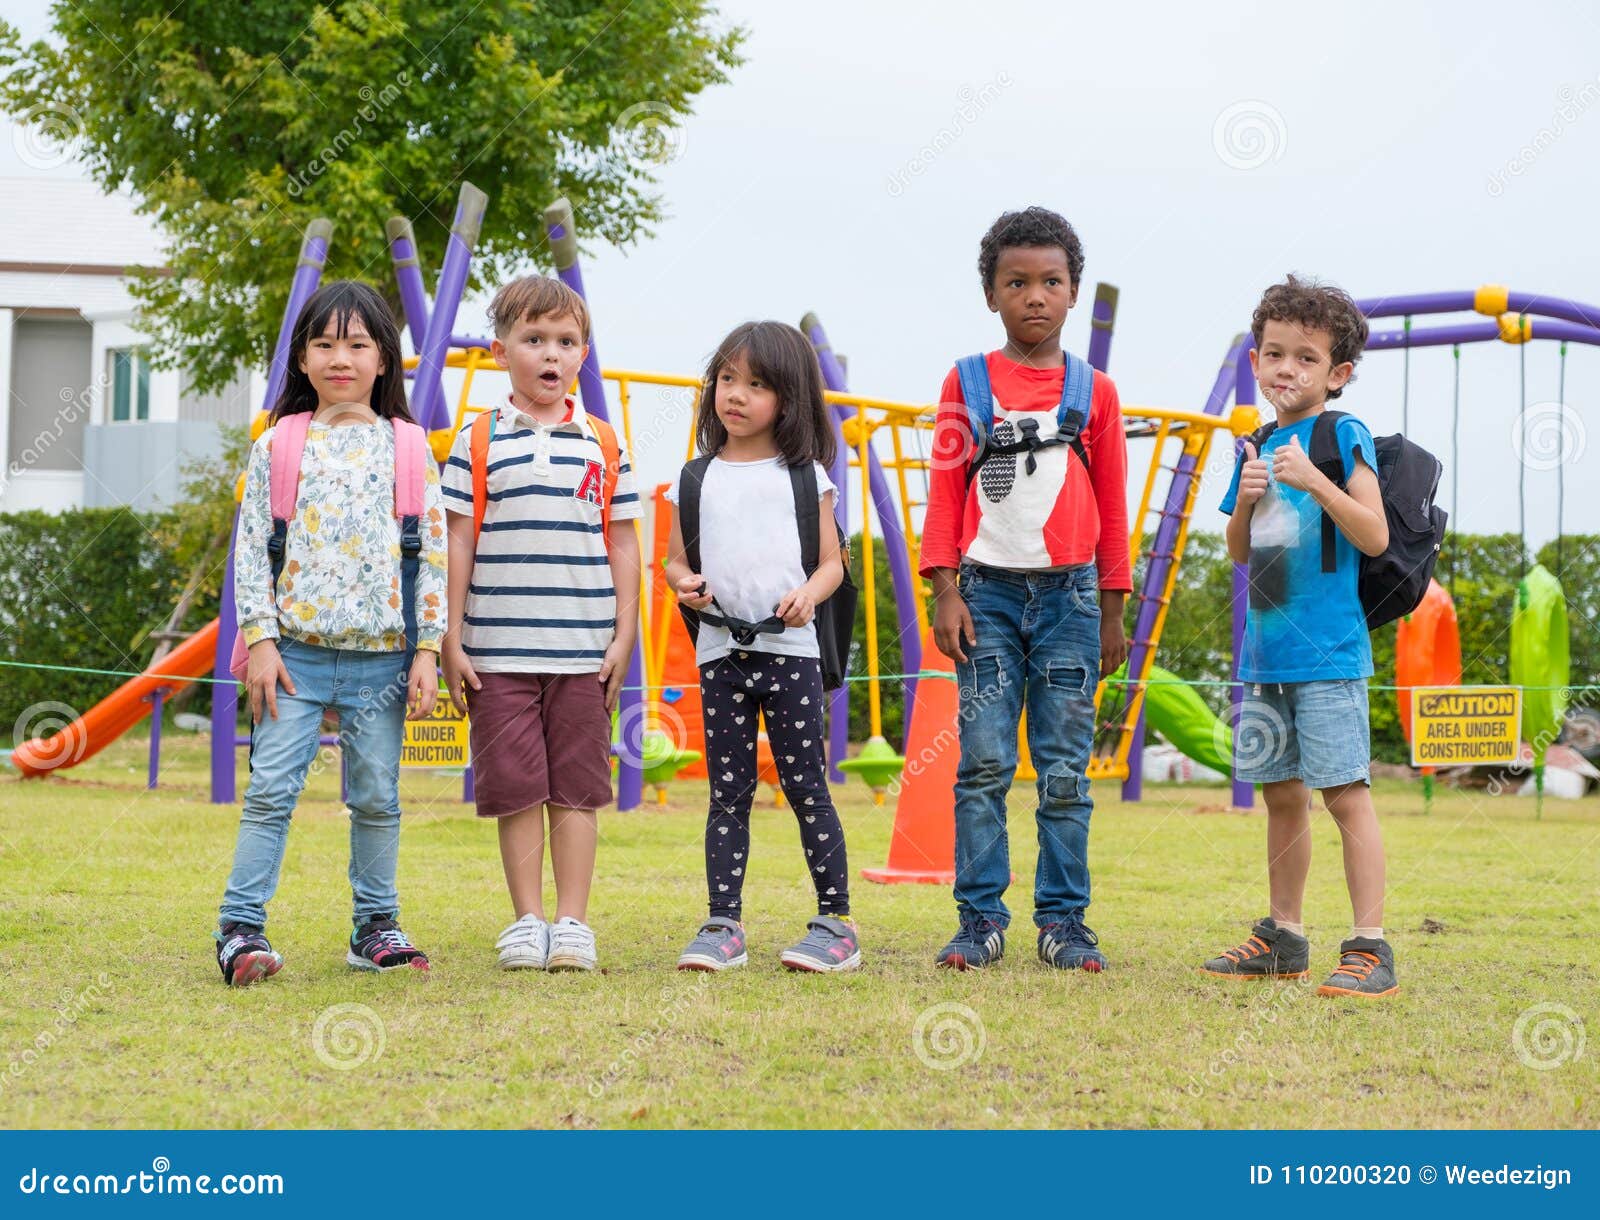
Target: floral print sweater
(340, 586)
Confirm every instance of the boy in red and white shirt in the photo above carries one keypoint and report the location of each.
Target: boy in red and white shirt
(1025, 540)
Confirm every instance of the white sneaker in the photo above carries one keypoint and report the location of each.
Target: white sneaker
(525, 945)
(571, 946)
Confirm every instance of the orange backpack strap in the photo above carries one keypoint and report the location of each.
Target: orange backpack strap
(612, 455)
(482, 433)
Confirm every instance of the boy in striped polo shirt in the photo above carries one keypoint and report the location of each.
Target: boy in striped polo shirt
(544, 600)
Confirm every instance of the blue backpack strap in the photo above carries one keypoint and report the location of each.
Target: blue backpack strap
(1077, 395)
(975, 391)
(979, 398)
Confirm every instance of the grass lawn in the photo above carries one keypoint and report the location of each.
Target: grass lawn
(112, 1013)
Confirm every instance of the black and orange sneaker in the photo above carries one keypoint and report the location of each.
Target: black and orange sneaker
(1270, 953)
(243, 954)
(1366, 970)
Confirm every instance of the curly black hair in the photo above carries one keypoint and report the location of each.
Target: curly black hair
(1033, 226)
(1312, 305)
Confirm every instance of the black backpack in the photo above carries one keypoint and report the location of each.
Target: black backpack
(1390, 584)
(835, 617)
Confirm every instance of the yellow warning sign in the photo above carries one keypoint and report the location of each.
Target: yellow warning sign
(438, 741)
(1453, 726)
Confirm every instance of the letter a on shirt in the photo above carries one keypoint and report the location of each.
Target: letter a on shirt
(589, 488)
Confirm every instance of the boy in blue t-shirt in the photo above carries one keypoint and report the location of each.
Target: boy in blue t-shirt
(1306, 656)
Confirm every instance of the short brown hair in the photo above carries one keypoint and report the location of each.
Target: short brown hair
(536, 296)
(1312, 305)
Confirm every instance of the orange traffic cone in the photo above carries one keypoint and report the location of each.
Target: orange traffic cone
(923, 847)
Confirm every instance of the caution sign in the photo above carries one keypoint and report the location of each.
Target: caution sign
(1453, 726)
(438, 741)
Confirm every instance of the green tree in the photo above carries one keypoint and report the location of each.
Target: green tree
(235, 127)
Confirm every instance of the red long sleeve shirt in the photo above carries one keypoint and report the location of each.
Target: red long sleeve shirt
(1059, 515)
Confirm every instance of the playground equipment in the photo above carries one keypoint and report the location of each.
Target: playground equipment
(1540, 661)
(886, 445)
(119, 711)
(1427, 652)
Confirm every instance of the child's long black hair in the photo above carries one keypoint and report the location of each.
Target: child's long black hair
(783, 358)
(342, 300)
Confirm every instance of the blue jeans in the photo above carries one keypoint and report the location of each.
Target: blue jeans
(1038, 643)
(363, 687)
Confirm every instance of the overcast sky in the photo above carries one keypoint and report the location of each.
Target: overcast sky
(1201, 152)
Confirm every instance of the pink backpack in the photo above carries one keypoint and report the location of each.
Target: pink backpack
(410, 477)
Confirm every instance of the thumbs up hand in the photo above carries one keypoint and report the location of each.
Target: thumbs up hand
(1292, 467)
(1253, 477)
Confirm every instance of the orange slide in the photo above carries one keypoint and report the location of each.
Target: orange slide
(120, 710)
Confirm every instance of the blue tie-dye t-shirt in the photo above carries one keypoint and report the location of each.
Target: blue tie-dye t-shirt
(1303, 624)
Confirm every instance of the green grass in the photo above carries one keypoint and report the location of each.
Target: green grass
(112, 1013)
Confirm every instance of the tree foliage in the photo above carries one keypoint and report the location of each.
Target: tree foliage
(234, 126)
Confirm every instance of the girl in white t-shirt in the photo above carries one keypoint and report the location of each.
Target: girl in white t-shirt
(761, 421)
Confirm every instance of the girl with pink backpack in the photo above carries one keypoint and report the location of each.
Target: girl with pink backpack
(339, 578)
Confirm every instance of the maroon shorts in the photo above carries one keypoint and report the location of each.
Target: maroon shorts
(537, 739)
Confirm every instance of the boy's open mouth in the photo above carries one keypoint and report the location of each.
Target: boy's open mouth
(550, 377)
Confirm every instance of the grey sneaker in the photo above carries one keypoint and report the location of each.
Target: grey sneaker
(829, 945)
(1366, 970)
(717, 946)
(1270, 953)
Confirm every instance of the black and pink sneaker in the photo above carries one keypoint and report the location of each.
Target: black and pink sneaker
(243, 954)
(379, 944)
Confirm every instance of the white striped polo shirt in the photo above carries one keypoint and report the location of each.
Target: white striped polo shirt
(541, 598)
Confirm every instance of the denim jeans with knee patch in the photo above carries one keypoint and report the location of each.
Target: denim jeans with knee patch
(1038, 647)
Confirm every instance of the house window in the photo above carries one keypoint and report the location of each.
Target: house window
(130, 383)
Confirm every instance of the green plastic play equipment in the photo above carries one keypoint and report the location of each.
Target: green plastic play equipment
(1179, 714)
(1541, 661)
(877, 764)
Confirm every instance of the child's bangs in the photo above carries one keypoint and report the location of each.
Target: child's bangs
(765, 355)
(341, 307)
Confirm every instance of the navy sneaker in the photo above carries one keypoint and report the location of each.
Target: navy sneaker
(243, 954)
(1069, 945)
(379, 944)
(1366, 970)
(978, 943)
(829, 945)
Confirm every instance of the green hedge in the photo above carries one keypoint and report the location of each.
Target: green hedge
(85, 588)
(1482, 572)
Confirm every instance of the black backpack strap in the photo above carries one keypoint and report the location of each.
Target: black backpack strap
(410, 565)
(1324, 455)
(690, 481)
(807, 516)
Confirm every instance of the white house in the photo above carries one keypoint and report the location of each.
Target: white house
(85, 421)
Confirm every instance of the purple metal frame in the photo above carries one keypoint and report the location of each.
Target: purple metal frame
(894, 542)
(407, 260)
(1160, 557)
(564, 249)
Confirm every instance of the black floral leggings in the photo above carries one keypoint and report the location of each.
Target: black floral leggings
(787, 691)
